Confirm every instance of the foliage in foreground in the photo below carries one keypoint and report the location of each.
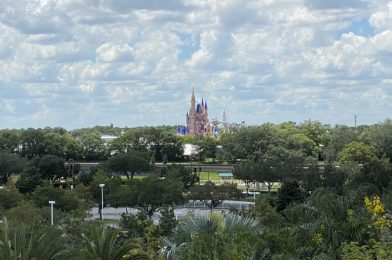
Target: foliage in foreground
(214, 236)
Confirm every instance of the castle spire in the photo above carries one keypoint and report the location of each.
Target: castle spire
(193, 91)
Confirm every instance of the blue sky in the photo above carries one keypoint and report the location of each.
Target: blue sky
(80, 63)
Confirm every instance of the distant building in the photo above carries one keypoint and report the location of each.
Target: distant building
(108, 138)
(197, 123)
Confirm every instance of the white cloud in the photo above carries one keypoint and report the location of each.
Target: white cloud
(382, 20)
(112, 60)
(109, 52)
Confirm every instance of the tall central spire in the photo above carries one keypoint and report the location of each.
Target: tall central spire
(193, 93)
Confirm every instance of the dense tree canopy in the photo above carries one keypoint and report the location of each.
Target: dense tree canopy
(130, 162)
(329, 193)
(10, 163)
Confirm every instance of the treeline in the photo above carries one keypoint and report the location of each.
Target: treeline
(334, 200)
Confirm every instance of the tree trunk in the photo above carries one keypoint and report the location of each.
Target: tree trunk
(269, 186)
(132, 173)
(126, 173)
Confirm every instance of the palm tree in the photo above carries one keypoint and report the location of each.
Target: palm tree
(324, 222)
(214, 237)
(102, 244)
(28, 242)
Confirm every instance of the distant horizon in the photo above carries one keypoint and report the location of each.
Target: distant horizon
(77, 64)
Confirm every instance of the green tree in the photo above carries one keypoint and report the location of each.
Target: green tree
(31, 143)
(340, 136)
(180, 173)
(10, 163)
(289, 192)
(380, 136)
(167, 221)
(357, 152)
(102, 243)
(246, 171)
(150, 194)
(51, 167)
(93, 147)
(141, 229)
(212, 195)
(132, 140)
(64, 198)
(315, 131)
(268, 173)
(29, 179)
(215, 236)
(8, 199)
(247, 143)
(29, 242)
(26, 213)
(133, 162)
(171, 146)
(9, 140)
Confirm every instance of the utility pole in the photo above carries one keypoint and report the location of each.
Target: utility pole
(355, 121)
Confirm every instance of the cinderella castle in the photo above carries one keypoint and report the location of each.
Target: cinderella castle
(197, 123)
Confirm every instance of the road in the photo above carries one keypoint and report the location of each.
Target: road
(86, 166)
(196, 209)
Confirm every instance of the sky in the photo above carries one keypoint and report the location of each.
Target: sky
(81, 63)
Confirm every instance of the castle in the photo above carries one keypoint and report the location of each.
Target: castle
(197, 123)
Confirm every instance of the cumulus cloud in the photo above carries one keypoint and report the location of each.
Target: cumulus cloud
(382, 20)
(109, 52)
(78, 63)
(336, 4)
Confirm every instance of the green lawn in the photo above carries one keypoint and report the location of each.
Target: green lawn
(212, 176)
(110, 221)
(123, 177)
(14, 178)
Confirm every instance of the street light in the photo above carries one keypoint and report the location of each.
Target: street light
(51, 202)
(102, 185)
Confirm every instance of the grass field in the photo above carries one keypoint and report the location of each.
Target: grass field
(14, 178)
(110, 221)
(123, 177)
(214, 176)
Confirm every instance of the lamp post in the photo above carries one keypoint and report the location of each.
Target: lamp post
(102, 185)
(51, 202)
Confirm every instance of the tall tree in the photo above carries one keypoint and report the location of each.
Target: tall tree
(340, 136)
(51, 167)
(150, 194)
(288, 193)
(380, 137)
(9, 140)
(212, 195)
(93, 147)
(29, 179)
(180, 173)
(64, 198)
(32, 143)
(133, 162)
(247, 143)
(103, 243)
(357, 152)
(246, 171)
(10, 163)
(29, 242)
(226, 236)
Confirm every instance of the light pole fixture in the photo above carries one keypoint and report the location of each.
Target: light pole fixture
(51, 202)
(102, 185)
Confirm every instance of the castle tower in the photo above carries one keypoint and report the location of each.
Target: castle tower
(197, 118)
(192, 115)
